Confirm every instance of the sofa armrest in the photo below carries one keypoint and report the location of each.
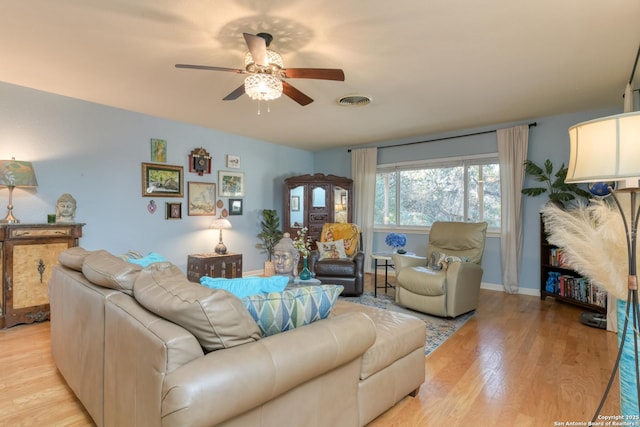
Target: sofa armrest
(250, 375)
(463, 287)
(403, 261)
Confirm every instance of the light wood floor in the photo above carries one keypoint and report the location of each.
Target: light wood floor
(518, 362)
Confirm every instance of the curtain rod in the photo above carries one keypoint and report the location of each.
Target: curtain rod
(446, 137)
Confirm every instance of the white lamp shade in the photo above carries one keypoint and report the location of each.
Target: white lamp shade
(605, 149)
(220, 224)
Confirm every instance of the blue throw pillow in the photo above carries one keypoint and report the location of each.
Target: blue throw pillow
(151, 258)
(245, 286)
(280, 311)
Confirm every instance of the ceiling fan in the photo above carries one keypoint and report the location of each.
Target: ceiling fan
(266, 72)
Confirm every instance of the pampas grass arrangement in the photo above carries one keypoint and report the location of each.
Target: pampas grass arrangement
(593, 241)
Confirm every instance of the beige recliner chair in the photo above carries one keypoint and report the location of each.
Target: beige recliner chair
(447, 282)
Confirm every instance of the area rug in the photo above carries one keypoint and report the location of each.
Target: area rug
(438, 329)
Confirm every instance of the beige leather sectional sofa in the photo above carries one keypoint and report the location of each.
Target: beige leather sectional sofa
(131, 367)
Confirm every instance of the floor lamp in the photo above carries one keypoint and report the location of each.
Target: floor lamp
(602, 150)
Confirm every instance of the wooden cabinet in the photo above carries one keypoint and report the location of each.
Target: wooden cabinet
(28, 252)
(558, 280)
(214, 265)
(312, 200)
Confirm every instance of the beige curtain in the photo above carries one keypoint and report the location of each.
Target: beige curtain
(363, 170)
(512, 152)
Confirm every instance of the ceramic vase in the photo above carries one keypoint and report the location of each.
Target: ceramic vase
(627, 369)
(305, 274)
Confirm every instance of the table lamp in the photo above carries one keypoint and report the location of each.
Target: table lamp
(220, 224)
(602, 150)
(14, 173)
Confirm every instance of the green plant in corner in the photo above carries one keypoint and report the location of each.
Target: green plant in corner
(558, 190)
(270, 234)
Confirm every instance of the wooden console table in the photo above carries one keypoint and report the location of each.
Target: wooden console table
(28, 252)
(214, 265)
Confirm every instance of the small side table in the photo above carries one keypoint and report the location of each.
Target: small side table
(388, 263)
(213, 265)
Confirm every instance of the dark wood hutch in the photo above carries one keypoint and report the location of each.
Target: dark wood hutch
(312, 200)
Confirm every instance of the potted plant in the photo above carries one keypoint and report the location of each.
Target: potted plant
(270, 236)
(558, 190)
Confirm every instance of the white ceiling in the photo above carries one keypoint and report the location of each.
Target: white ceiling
(431, 66)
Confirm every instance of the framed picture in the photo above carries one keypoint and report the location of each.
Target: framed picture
(173, 210)
(235, 206)
(233, 162)
(158, 150)
(201, 199)
(162, 180)
(230, 184)
(295, 203)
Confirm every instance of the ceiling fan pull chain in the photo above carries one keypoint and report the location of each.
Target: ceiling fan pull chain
(258, 107)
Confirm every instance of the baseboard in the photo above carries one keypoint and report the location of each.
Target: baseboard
(500, 288)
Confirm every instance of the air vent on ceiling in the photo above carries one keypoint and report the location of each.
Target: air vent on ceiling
(354, 100)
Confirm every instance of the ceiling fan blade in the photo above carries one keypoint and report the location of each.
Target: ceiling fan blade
(210, 68)
(258, 48)
(314, 73)
(295, 94)
(235, 94)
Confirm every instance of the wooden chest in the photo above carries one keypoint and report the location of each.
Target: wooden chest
(214, 265)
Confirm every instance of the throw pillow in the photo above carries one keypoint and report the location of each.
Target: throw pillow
(439, 260)
(436, 261)
(245, 286)
(280, 311)
(349, 233)
(215, 317)
(332, 250)
(146, 260)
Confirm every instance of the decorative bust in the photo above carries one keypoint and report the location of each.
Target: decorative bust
(66, 208)
(286, 257)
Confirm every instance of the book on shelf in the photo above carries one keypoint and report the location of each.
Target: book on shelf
(558, 259)
(578, 288)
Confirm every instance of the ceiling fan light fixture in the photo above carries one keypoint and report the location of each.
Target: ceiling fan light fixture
(273, 59)
(263, 87)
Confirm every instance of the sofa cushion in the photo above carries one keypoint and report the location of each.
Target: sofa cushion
(245, 286)
(423, 281)
(335, 268)
(73, 257)
(280, 311)
(109, 271)
(214, 316)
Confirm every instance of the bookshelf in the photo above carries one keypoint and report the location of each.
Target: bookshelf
(559, 281)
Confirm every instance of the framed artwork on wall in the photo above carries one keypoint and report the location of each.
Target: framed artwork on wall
(158, 150)
(230, 184)
(233, 162)
(162, 180)
(235, 206)
(201, 199)
(173, 210)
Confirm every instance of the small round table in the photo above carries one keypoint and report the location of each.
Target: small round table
(388, 262)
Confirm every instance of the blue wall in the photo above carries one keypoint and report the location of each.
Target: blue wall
(95, 153)
(549, 139)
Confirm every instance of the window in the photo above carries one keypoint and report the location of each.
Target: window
(417, 194)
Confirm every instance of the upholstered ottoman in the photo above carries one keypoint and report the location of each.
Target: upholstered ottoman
(394, 366)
